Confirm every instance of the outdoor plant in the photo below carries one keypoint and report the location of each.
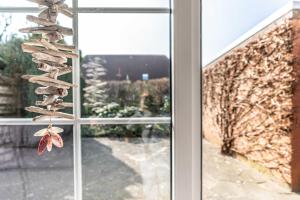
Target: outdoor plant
(115, 110)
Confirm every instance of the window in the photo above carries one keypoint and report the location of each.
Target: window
(142, 157)
(24, 175)
(119, 145)
(134, 64)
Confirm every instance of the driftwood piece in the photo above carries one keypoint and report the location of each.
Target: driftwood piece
(49, 14)
(56, 1)
(27, 77)
(42, 43)
(49, 99)
(47, 29)
(51, 80)
(50, 63)
(67, 104)
(56, 107)
(55, 45)
(67, 12)
(35, 49)
(39, 21)
(48, 45)
(36, 30)
(63, 71)
(64, 30)
(48, 68)
(65, 47)
(63, 104)
(40, 2)
(54, 36)
(60, 7)
(49, 113)
(51, 90)
(49, 84)
(53, 74)
(47, 57)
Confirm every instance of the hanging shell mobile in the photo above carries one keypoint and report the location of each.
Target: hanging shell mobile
(51, 57)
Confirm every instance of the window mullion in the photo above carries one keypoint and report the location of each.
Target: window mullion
(121, 121)
(187, 99)
(76, 111)
(90, 10)
(126, 121)
(29, 121)
(122, 10)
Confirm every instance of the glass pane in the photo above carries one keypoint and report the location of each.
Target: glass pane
(16, 93)
(26, 175)
(125, 65)
(126, 162)
(123, 3)
(24, 3)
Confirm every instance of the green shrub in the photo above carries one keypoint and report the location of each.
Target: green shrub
(114, 110)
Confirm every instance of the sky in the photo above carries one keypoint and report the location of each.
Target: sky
(226, 20)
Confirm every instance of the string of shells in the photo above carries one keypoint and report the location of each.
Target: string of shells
(51, 57)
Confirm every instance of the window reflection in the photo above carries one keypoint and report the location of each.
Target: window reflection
(126, 86)
(126, 162)
(125, 65)
(25, 175)
(16, 93)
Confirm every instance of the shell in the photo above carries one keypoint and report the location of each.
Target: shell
(41, 132)
(51, 130)
(57, 140)
(56, 130)
(49, 144)
(43, 144)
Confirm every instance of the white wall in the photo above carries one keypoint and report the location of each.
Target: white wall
(225, 20)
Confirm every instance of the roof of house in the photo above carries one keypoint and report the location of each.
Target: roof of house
(119, 67)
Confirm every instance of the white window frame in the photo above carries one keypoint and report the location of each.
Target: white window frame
(186, 122)
(187, 99)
